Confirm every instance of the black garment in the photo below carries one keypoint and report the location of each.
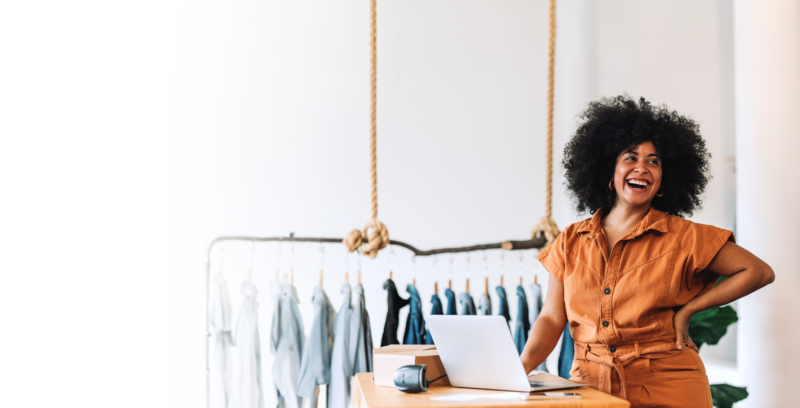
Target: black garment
(395, 303)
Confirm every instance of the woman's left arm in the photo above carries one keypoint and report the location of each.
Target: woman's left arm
(746, 274)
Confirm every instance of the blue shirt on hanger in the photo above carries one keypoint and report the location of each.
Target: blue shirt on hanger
(467, 304)
(503, 305)
(315, 367)
(436, 309)
(451, 302)
(522, 326)
(415, 324)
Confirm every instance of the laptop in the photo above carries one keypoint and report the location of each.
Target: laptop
(478, 352)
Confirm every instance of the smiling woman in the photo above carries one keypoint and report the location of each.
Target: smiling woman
(629, 279)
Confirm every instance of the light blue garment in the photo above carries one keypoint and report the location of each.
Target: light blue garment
(220, 329)
(361, 350)
(503, 305)
(246, 385)
(315, 367)
(467, 304)
(522, 326)
(567, 354)
(436, 309)
(352, 345)
(415, 323)
(451, 302)
(484, 306)
(341, 363)
(286, 368)
(535, 302)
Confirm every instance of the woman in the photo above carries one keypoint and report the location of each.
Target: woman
(630, 278)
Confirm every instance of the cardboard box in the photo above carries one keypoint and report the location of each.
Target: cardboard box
(386, 360)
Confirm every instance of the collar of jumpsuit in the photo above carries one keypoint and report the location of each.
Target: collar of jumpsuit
(620, 302)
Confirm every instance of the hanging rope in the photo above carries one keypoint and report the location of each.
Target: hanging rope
(546, 224)
(375, 231)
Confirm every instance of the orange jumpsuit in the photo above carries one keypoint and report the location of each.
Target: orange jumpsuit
(620, 304)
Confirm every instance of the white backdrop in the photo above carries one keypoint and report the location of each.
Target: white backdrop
(133, 134)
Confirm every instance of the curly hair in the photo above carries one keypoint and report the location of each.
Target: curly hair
(609, 126)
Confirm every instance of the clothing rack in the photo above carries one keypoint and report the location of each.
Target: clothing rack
(536, 242)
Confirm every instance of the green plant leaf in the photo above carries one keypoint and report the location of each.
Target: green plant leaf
(708, 326)
(725, 395)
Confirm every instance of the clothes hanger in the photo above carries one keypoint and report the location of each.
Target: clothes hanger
(358, 275)
(435, 275)
(347, 268)
(486, 274)
(321, 261)
(413, 269)
(469, 261)
(278, 260)
(391, 257)
(291, 259)
(252, 257)
(521, 264)
(502, 265)
(221, 258)
(450, 274)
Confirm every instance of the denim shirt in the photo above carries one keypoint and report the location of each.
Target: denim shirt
(522, 326)
(467, 304)
(503, 305)
(451, 302)
(286, 367)
(360, 333)
(415, 324)
(315, 367)
(484, 305)
(436, 309)
(341, 362)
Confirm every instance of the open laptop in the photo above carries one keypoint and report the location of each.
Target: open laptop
(478, 352)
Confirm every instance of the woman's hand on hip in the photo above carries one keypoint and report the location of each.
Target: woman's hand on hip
(681, 323)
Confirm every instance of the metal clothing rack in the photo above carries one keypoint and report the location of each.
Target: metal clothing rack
(536, 242)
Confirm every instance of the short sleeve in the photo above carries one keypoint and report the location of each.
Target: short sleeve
(700, 244)
(553, 258)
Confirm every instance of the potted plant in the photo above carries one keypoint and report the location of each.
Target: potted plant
(708, 327)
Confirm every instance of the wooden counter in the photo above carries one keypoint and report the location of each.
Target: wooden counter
(389, 397)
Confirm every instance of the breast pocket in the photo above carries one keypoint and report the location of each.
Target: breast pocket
(639, 293)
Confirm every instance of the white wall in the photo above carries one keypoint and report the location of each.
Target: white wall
(135, 134)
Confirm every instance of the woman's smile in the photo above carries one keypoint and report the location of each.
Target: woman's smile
(638, 185)
(637, 175)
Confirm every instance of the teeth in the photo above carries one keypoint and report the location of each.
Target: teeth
(638, 183)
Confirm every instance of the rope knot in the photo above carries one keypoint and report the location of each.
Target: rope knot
(548, 226)
(377, 237)
(352, 240)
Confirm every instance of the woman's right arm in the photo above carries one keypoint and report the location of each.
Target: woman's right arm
(548, 327)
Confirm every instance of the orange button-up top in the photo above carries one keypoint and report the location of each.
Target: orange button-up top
(631, 294)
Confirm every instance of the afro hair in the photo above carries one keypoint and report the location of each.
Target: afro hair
(609, 126)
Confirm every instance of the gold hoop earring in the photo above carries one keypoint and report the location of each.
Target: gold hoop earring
(611, 185)
(662, 193)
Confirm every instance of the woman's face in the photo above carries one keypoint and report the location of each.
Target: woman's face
(637, 176)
